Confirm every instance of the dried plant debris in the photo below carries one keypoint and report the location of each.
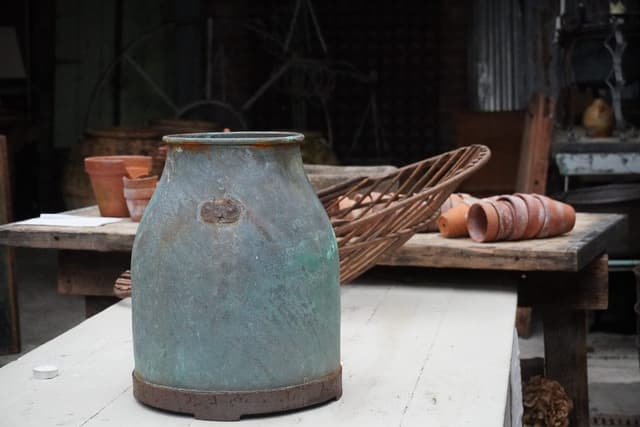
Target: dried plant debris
(546, 404)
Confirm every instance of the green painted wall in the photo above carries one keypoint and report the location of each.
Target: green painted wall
(84, 46)
(91, 34)
(143, 98)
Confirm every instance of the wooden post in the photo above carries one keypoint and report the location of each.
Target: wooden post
(9, 320)
(532, 168)
(565, 326)
(535, 147)
(565, 350)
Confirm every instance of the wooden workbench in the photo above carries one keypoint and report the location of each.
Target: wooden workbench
(410, 357)
(563, 276)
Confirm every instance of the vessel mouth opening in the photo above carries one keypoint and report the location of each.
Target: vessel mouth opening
(235, 138)
(477, 222)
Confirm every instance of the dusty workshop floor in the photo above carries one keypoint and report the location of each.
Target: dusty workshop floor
(44, 314)
(614, 371)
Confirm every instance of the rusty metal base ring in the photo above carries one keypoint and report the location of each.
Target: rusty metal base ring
(231, 405)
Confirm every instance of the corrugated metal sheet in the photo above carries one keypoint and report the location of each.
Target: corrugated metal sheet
(496, 56)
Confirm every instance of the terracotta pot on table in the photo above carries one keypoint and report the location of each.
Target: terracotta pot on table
(106, 173)
(137, 193)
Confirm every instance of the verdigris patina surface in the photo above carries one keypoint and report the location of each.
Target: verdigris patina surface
(236, 304)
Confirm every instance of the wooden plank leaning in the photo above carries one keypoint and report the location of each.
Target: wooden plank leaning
(9, 322)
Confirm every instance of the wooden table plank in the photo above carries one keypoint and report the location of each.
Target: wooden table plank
(571, 252)
(583, 290)
(116, 237)
(88, 357)
(406, 354)
(587, 289)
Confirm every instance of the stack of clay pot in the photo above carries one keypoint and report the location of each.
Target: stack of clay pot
(452, 221)
(506, 217)
(137, 192)
(121, 184)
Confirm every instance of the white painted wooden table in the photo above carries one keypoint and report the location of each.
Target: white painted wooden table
(412, 356)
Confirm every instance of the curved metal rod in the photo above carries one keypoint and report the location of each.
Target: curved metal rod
(117, 60)
(156, 88)
(266, 85)
(327, 119)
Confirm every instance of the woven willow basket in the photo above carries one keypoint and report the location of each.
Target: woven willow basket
(373, 216)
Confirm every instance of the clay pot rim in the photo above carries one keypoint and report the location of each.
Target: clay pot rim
(142, 182)
(565, 219)
(506, 218)
(105, 167)
(255, 138)
(114, 165)
(519, 227)
(119, 157)
(482, 205)
(535, 222)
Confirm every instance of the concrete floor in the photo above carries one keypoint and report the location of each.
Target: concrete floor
(614, 371)
(44, 314)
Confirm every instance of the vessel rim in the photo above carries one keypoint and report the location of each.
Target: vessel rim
(235, 138)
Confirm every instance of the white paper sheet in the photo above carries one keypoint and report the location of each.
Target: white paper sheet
(70, 220)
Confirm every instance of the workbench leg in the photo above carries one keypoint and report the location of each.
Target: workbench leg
(95, 304)
(9, 316)
(565, 349)
(91, 274)
(523, 322)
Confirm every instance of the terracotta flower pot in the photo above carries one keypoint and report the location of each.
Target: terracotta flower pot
(505, 219)
(536, 215)
(106, 172)
(559, 217)
(453, 223)
(455, 199)
(483, 222)
(451, 202)
(469, 200)
(520, 216)
(137, 193)
(446, 205)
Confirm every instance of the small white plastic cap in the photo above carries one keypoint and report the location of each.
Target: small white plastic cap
(45, 372)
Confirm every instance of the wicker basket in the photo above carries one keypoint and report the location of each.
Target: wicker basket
(373, 216)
